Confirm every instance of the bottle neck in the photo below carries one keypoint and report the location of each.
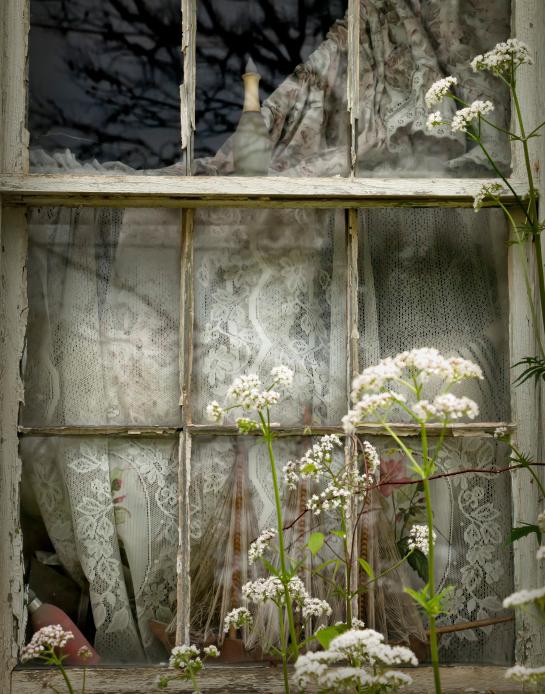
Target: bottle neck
(34, 602)
(251, 92)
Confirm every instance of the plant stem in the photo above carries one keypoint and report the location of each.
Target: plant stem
(65, 677)
(434, 650)
(347, 571)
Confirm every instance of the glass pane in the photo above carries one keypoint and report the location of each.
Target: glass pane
(438, 278)
(104, 85)
(231, 503)
(100, 533)
(405, 48)
(472, 520)
(270, 289)
(271, 87)
(102, 340)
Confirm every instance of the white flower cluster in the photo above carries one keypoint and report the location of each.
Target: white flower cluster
(500, 432)
(263, 589)
(540, 554)
(465, 116)
(524, 597)
(211, 651)
(182, 656)
(338, 492)
(446, 406)
(46, 639)
(419, 538)
(245, 392)
(361, 649)
(371, 457)
(236, 619)
(487, 190)
(258, 547)
(312, 464)
(503, 57)
(369, 394)
(282, 376)
(435, 119)
(215, 412)
(439, 90)
(519, 673)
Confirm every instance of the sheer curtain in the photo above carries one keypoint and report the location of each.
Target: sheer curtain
(103, 349)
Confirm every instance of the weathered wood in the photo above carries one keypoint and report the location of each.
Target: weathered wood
(233, 191)
(353, 80)
(13, 312)
(187, 88)
(472, 429)
(112, 431)
(528, 25)
(250, 679)
(14, 20)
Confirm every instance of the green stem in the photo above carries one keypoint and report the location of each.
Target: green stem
(434, 650)
(84, 679)
(348, 570)
(284, 650)
(267, 435)
(65, 677)
(529, 468)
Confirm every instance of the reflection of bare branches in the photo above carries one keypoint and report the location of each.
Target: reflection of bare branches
(123, 70)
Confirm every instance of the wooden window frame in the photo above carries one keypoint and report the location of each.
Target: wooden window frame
(19, 190)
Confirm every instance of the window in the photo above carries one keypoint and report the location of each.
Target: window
(314, 245)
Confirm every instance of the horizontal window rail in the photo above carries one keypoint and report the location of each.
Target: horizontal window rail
(232, 191)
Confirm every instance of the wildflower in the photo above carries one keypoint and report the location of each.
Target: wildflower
(291, 478)
(366, 646)
(85, 653)
(524, 597)
(519, 673)
(282, 376)
(540, 554)
(462, 370)
(463, 118)
(211, 651)
(180, 656)
(504, 56)
(214, 412)
(419, 538)
(313, 607)
(367, 405)
(439, 90)
(446, 406)
(487, 190)
(245, 392)
(358, 623)
(44, 641)
(236, 619)
(245, 425)
(425, 362)
(500, 432)
(258, 547)
(371, 457)
(434, 119)
(373, 378)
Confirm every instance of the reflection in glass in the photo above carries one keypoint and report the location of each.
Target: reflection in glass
(102, 340)
(104, 83)
(437, 278)
(100, 532)
(270, 289)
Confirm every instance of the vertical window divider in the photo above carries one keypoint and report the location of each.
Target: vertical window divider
(187, 88)
(353, 80)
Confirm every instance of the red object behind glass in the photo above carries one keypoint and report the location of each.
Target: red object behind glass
(43, 615)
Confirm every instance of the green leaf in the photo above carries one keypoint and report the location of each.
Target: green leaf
(339, 533)
(328, 563)
(270, 568)
(367, 568)
(524, 531)
(419, 562)
(535, 368)
(325, 636)
(315, 543)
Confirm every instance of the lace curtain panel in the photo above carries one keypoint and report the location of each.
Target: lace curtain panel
(269, 287)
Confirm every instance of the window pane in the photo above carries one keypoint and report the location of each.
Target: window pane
(102, 341)
(104, 84)
(231, 503)
(438, 278)
(472, 521)
(405, 48)
(100, 521)
(297, 52)
(270, 289)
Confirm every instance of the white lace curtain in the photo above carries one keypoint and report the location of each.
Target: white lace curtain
(269, 287)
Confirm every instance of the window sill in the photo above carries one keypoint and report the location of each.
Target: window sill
(250, 679)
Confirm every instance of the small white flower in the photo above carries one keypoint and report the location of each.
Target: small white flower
(236, 619)
(419, 538)
(245, 425)
(503, 57)
(439, 90)
(519, 673)
(524, 597)
(282, 376)
(374, 378)
(258, 547)
(313, 607)
(46, 639)
(486, 191)
(214, 412)
(368, 405)
(211, 651)
(540, 554)
(446, 407)
(372, 459)
(500, 432)
(434, 119)
(464, 117)
(358, 623)
(182, 656)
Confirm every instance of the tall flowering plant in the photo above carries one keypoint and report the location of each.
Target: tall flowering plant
(504, 62)
(401, 382)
